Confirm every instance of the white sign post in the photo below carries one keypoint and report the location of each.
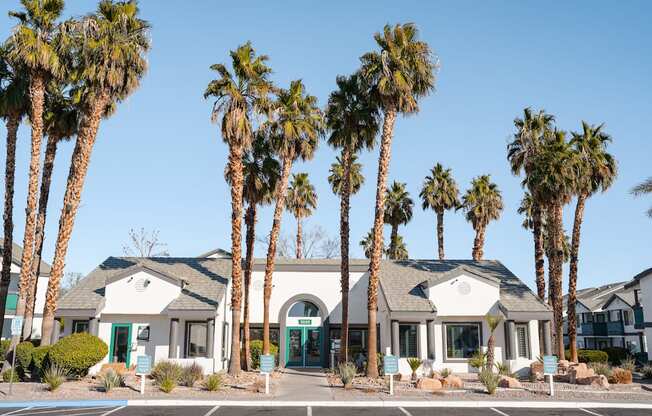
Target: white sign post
(390, 367)
(267, 363)
(143, 368)
(16, 330)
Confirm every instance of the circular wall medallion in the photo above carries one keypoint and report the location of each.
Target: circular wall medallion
(257, 285)
(464, 288)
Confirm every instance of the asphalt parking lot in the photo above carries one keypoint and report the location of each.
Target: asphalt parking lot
(309, 411)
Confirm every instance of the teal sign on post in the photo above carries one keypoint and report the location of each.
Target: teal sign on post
(550, 365)
(17, 325)
(143, 364)
(267, 363)
(390, 364)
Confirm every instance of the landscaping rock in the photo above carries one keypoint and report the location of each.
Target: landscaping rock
(452, 382)
(536, 368)
(596, 381)
(563, 366)
(579, 371)
(509, 383)
(429, 384)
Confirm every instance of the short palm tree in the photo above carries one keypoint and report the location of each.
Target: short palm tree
(239, 94)
(399, 74)
(531, 131)
(552, 181)
(642, 188)
(14, 105)
(397, 250)
(439, 193)
(33, 48)
(482, 203)
(398, 211)
(301, 200)
(111, 45)
(294, 130)
(414, 364)
(597, 171)
(352, 120)
(492, 322)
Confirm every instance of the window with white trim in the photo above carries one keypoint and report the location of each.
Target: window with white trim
(523, 340)
(462, 340)
(407, 337)
(196, 339)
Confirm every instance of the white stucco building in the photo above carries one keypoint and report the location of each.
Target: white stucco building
(641, 284)
(12, 296)
(178, 309)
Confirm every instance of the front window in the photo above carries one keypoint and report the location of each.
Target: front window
(627, 317)
(256, 334)
(196, 339)
(462, 340)
(79, 326)
(407, 336)
(303, 310)
(523, 341)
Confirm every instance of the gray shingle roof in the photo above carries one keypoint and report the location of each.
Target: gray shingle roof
(17, 257)
(594, 298)
(206, 281)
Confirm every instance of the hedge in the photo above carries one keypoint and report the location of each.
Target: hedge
(4, 347)
(40, 359)
(616, 354)
(24, 356)
(590, 356)
(256, 347)
(77, 353)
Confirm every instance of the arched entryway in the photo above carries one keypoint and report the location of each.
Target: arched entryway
(303, 332)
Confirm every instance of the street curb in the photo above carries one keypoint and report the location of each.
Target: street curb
(65, 403)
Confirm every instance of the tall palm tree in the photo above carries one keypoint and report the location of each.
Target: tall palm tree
(482, 203)
(439, 193)
(399, 74)
(352, 119)
(14, 105)
(238, 96)
(60, 123)
(552, 181)
(531, 210)
(367, 244)
(33, 46)
(398, 211)
(295, 129)
(643, 188)
(260, 174)
(111, 46)
(531, 131)
(597, 171)
(301, 200)
(398, 249)
(492, 322)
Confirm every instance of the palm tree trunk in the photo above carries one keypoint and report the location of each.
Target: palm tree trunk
(8, 222)
(393, 241)
(478, 243)
(440, 234)
(556, 275)
(299, 238)
(250, 221)
(81, 158)
(46, 179)
(281, 191)
(344, 253)
(539, 262)
(377, 245)
(572, 278)
(490, 352)
(37, 99)
(235, 167)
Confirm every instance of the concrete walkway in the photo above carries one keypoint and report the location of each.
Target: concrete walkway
(304, 384)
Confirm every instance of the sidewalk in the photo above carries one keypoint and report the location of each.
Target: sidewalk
(304, 384)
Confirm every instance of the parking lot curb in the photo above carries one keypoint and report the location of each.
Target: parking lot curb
(64, 403)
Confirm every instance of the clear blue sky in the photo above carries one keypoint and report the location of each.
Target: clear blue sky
(158, 162)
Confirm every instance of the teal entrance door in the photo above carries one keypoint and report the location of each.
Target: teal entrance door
(120, 347)
(303, 347)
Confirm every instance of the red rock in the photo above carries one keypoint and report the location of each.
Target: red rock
(429, 384)
(579, 371)
(596, 381)
(453, 382)
(509, 382)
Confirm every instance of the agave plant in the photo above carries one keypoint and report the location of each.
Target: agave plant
(414, 364)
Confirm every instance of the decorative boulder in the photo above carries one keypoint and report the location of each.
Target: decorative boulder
(595, 381)
(563, 366)
(536, 368)
(429, 384)
(578, 371)
(452, 382)
(509, 383)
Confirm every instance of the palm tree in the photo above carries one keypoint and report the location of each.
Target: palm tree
(301, 200)
(33, 47)
(294, 130)
(642, 188)
(397, 250)
(597, 171)
(439, 193)
(492, 322)
(367, 242)
(531, 131)
(399, 74)
(398, 210)
(552, 181)
(14, 105)
(60, 123)
(237, 97)
(352, 119)
(111, 44)
(482, 204)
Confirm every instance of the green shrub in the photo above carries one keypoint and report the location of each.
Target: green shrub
(54, 376)
(24, 356)
(191, 374)
(111, 379)
(347, 373)
(8, 374)
(601, 369)
(167, 384)
(503, 369)
(628, 364)
(478, 360)
(167, 370)
(590, 356)
(40, 360)
(445, 372)
(256, 347)
(647, 371)
(490, 380)
(77, 353)
(4, 347)
(213, 382)
(616, 354)
(414, 364)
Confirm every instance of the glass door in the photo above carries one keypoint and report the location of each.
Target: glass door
(120, 351)
(313, 347)
(303, 347)
(294, 347)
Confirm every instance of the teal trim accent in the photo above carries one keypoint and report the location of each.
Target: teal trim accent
(10, 305)
(113, 328)
(304, 340)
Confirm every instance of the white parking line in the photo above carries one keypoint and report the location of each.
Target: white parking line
(73, 409)
(210, 412)
(308, 411)
(405, 412)
(499, 412)
(15, 411)
(115, 410)
(590, 412)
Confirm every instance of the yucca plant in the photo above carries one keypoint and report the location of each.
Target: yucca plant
(478, 360)
(191, 374)
(414, 364)
(445, 372)
(503, 369)
(111, 379)
(347, 373)
(489, 380)
(214, 382)
(54, 376)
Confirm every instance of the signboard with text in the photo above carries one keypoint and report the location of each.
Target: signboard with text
(267, 363)
(390, 364)
(550, 365)
(143, 364)
(17, 325)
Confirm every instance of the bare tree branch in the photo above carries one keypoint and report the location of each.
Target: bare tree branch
(145, 244)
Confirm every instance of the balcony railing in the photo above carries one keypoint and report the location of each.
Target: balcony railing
(603, 329)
